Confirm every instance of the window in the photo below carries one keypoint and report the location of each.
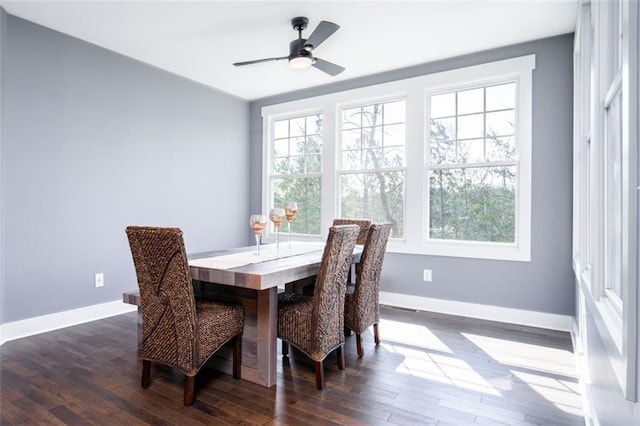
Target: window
(605, 173)
(445, 158)
(472, 168)
(613, 204)
(297, 169)
(372, 162)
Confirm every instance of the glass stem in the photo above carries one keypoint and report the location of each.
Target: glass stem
(289, 228)
(257, 244)
(277, 241)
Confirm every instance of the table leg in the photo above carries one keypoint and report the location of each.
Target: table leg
(259, 339)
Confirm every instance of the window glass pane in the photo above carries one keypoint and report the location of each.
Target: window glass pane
(351, 159)
(376, 196)
(394, 112)
(393, 157)
(377, 144)
(351, 139)
(443, 152)
(471, 126)
(394, 135)
(297, 127)
(501, 149)
(351, 118)
(314, 164)
(501, 123)
(473, 204)
(470, 151)
(471, 101)
(314, 124)
(501, 97)
(281, 129)
(314, 145)
(297, 163)
(297, 146)
(281, 165)
(443, 105)
(306, 193)
(372, 158)
(371, 137)
(372, 115)
(281, 147)
(613, 209)
(443, 129)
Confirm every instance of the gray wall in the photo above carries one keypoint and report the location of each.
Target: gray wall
(3, 41)
(94, 142)
(546, 283)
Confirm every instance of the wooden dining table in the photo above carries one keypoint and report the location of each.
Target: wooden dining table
(253, 280)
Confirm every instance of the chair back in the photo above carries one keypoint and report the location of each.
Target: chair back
(362, 223)
(166, 296)
(327, 330)
(365, 310)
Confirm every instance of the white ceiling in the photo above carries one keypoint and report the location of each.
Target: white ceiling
(201, 39)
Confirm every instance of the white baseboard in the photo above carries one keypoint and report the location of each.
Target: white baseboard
(30, 326)
(473, 310)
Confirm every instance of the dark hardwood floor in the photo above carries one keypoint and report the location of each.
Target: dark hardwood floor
(429, 369)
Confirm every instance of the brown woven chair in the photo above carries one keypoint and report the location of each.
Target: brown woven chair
(315, 324)
(361, 308)
(177, 330)
(362, 223)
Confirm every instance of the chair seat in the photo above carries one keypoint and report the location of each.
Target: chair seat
(217, 323)
(293, 325)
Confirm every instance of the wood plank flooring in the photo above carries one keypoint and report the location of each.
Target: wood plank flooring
(429, 369)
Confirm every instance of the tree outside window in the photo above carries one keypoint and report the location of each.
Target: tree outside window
(373, 166)
(472, 168)
(297, 169)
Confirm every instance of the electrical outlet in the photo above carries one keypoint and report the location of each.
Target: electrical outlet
(426, 274)
(99, 280)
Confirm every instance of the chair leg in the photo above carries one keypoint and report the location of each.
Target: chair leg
(376, 336)
(285, 349)
(189, 384)
(237, 356)
(146, 374)
(319, 375)
(359, 345)
(341, 362)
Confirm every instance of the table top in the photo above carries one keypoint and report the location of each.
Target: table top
(261, 275)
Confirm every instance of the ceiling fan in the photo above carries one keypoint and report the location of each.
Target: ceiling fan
(301, 50)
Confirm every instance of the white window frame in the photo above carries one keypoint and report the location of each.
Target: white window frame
(616, 319)
(415, 91)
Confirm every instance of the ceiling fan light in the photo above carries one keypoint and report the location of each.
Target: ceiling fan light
(300, 62)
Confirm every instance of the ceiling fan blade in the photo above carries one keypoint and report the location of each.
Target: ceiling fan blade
(328, 67)
(257, 61)
(321, 33)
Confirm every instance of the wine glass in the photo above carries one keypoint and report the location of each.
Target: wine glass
(290, 210)
(257, 222)
(277, 216)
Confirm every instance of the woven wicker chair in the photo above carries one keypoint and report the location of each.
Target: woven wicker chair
(315, 324)
(362, 223)
(361, 308)
(177, 330)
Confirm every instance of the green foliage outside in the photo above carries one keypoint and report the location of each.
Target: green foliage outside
(471, 203)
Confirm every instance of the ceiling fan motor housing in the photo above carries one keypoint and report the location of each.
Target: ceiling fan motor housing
(297, 48)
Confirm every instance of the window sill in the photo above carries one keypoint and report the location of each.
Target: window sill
(466, 250)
